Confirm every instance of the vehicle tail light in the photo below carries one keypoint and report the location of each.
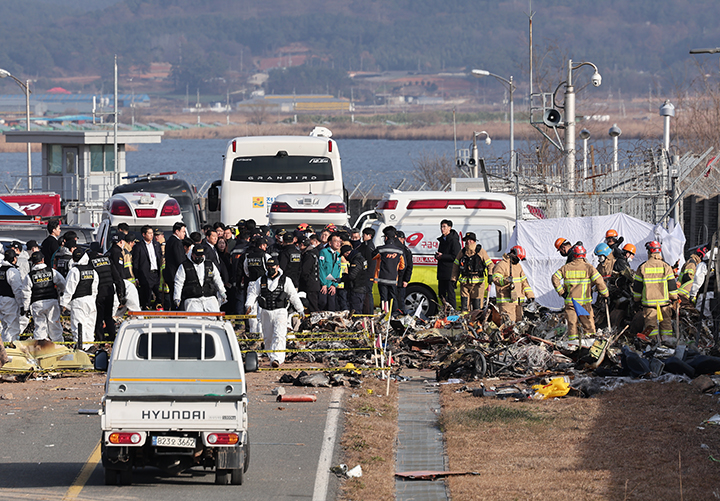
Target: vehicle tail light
(118, 438)
(329, 146)
(280, 207)
(336, 208)
(234, 146)
(484, 204)
(120, 208)
(387, 205)
(468, 203)
(171, 208)
(146, 212)
(223, 438)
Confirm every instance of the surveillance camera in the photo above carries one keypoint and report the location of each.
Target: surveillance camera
(596, 79)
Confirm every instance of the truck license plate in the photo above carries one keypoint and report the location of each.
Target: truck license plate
(173, 441)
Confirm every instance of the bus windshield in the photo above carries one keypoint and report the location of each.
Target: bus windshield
(281, 169)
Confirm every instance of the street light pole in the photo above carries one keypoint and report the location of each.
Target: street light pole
(25, 86)
(585, 135)
(511, 87)
(570, 124)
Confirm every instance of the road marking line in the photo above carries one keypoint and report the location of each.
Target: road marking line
(74, 491)
(326, 451)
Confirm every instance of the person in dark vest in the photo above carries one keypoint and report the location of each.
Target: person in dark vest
(80, 296)
(389, 264)
(356, 279)
(63, 256)
(110, 285)
(290, 259)
(255, 266)
(198, 284)
(237, 274)
(310, 272)
(120, 254)
(406, 275)
(41, 290)
(11, 297)
(273, 292)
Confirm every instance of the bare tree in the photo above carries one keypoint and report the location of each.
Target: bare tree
(435, 171)
(259, 113)
(697, 124)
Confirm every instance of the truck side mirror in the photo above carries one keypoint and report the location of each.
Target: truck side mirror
(213, 198)
(251, 362)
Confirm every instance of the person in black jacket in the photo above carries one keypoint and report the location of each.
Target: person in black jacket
(51, 243)
(389, 265)
(290, 259)
(356, 279)
(110, 283)
(366, 248)
(211, 238)
(147, 261)
(406, 275)
(448, 248)
(309, 272)
(174, 255)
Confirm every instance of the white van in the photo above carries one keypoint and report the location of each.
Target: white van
(159, 210)
(258, 169)
(491, 216)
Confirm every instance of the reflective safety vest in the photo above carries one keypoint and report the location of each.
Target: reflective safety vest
(43, 285)
(191, 287)
(472, 265)
(84, 286)
(687, 275)
(506, 273)
(5, 289)
(654, 282)
(273, 300)
(576, 279)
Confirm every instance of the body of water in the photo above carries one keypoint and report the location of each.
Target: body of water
(367, 162)
(377, 165)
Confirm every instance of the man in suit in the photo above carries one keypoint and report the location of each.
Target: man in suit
(174, 255)
(211, 238)
(147, 261)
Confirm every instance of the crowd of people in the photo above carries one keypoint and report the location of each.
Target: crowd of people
(250, 269)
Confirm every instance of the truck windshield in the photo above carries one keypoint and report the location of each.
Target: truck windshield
(281, 169)
(163, 346)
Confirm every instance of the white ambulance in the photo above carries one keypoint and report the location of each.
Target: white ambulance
(491, 216)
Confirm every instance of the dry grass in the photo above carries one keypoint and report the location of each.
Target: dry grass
(369, 440)
(622, 445)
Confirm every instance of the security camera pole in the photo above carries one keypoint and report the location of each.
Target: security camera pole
(570, 126)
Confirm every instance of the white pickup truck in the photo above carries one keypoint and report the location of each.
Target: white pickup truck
(175, 398)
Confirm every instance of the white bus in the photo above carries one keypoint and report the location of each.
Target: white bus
(257, 169)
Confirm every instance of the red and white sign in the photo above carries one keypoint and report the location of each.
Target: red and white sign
(41, 204)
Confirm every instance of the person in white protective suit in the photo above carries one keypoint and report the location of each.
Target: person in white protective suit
(255, 266)
(11, 297)
(272, 293)
(80, 295)
(198, 284)
(41, 289)
(23, 265)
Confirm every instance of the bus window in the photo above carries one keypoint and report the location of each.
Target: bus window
(281, 169)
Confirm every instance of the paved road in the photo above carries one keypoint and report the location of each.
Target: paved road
(46, 444)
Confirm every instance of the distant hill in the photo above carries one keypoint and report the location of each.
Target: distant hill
(638, 45)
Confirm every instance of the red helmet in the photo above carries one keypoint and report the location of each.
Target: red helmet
(578, 251)
(611, 234)
(519, 252)
(653, 246)
(560, 242)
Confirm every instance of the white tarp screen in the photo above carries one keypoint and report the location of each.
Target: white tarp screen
(538, 239)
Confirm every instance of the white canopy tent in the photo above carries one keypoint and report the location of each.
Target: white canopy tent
(538, 239)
